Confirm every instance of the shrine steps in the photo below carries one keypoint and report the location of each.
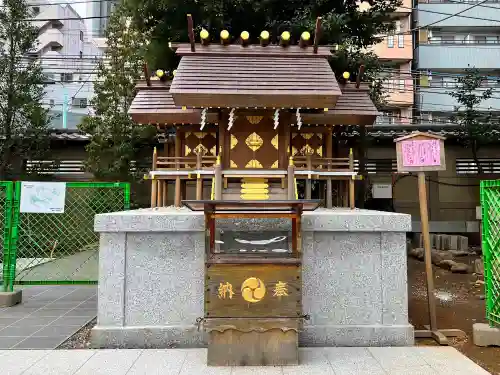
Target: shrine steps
(254, 189)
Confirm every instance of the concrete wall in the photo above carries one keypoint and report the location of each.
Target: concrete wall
(151, 278)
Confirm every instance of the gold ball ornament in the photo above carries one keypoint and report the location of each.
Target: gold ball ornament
(306, 35)
(160, 73)
(264, 35)
(346, 75)
(224, 34)
(285, 35)
(174, 72)
(245, 35)
(204, 34)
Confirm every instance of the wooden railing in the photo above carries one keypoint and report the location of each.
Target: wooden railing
(309, 163)
(198, 162)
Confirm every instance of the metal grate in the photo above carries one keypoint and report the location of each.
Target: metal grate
(490, 207)
(378, 166)
(466, 166)
(62, 248)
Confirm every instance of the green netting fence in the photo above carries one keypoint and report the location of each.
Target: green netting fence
(6, 255)
(59, 248)
(490, 207)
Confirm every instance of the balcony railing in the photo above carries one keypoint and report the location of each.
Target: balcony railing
(440, 42)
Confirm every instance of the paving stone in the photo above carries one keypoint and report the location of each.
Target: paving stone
(18, 361)
(56, 330)
(33, 342)
(312, 361)
(61, 362)
(365, 366)
(72, 320)
(20, 330)
(257, 370)
(92, 312)
(36, 320)
(422, 370)
(196, 363)
(4, 321)
(397, 358)
(107, 362)
(8, 343)
(159, 362)
(340, 354)
(55, 313)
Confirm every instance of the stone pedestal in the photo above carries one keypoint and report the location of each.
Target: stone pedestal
(151, 278)
(8, 299)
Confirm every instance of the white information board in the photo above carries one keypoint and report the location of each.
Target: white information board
(43, 197)
(382, 191)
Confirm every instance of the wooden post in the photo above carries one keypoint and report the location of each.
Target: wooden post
(153, 181)
(424, 219)
(308, 180)
(199, 181)
(291, 180)
(146, 74)
(165, 192)
(178, 145)
(191, 32)
(218, 179)
(160, 193)
(329, 152)
(352, 198)
(317, 34)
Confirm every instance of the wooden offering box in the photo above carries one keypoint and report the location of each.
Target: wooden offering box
(253, 286)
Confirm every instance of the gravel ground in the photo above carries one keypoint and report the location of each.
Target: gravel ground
(81, 339)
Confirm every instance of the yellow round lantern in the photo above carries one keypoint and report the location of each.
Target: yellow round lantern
(160, 73)
(245, 35)
(204, 34)
(305, 35)
(264, 35)
(346, 75)
(224, 34)
(174, 72)
(285, 35)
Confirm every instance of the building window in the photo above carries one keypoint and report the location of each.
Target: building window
(390, 41)
(436, 81)
(81, 36)
(401, 41)
(66, 77)
(51, 102)
(36, 11)
(401, 85)
(82, 103)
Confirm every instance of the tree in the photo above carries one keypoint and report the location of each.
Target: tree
(23, 120)
(475, 127)
(116, 141)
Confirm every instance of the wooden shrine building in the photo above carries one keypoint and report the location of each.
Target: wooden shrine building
(251, 120)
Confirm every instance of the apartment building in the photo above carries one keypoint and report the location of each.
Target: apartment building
(69, 58)
(445, 48)
(396, 54)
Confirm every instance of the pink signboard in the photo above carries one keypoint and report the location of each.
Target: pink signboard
(421, 153)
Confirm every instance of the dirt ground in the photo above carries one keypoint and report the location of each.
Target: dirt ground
(459, 305)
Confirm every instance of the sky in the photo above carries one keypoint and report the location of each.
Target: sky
(81, 8)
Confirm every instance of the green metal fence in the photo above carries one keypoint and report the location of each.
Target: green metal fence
(490, 207)
(60, 248)
(6, 256)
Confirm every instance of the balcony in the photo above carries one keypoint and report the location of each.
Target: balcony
(482, 16)
(395, 48)
(400, 93)
(457, 56)
(437, 99)
(50, 37)
(403, 10)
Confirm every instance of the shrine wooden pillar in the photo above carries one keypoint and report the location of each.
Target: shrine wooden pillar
(329, 151)
(178, 149)
(199, 181)
(154, 183)
(352, 202)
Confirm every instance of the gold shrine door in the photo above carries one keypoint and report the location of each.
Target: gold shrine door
(253, 143)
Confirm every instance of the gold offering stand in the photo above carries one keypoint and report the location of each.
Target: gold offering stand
(253, 285)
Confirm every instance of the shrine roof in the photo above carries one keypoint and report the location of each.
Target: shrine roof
(154, 104)
(274, 76)
(252, 50)
(354, 107)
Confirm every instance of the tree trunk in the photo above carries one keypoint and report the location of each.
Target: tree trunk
(474, 149)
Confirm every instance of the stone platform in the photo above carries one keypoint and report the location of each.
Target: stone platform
(151, 277)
